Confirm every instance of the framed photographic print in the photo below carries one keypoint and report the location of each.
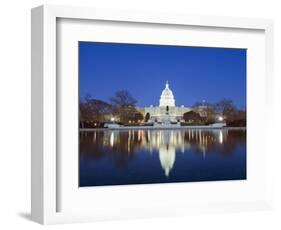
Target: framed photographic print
(131, 134)
(140, 114)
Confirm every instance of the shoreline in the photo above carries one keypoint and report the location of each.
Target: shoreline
(160, 128)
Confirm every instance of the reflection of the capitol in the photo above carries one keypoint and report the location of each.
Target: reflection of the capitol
(170, 141)
(167, 142)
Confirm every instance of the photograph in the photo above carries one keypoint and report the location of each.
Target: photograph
(153, 113)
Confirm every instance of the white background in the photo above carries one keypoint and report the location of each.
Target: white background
(159, 197)
(15, 113)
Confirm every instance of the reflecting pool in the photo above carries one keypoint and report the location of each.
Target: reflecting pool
(117, 157)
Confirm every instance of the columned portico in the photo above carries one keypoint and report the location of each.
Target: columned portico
(167, 112)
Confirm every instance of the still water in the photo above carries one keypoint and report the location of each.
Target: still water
(161, 156)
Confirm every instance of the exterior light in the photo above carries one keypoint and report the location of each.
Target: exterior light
(112, 119)
(220, 118)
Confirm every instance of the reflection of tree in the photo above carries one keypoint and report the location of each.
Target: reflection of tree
(168, 142)
(234, 138)
(117, 146)
(216, 141)
(120, 146)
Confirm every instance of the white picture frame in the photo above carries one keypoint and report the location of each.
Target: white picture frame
(45, 90)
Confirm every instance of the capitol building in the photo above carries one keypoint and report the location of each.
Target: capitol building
(167, 112)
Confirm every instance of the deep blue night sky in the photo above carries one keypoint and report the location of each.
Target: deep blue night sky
(194, 73)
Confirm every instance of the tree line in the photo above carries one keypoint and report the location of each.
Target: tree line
(206, 113)
(121, 108)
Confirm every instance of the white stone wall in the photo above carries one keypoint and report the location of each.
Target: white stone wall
(159, 113)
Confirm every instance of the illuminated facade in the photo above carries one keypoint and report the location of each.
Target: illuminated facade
(167, 112)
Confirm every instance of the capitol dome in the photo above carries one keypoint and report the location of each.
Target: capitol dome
(167, 97)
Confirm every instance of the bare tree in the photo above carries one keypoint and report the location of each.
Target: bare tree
(226, 108)
(93, 110)
(192, 117)
(147, 117)
(124, 105)
(123, 98)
